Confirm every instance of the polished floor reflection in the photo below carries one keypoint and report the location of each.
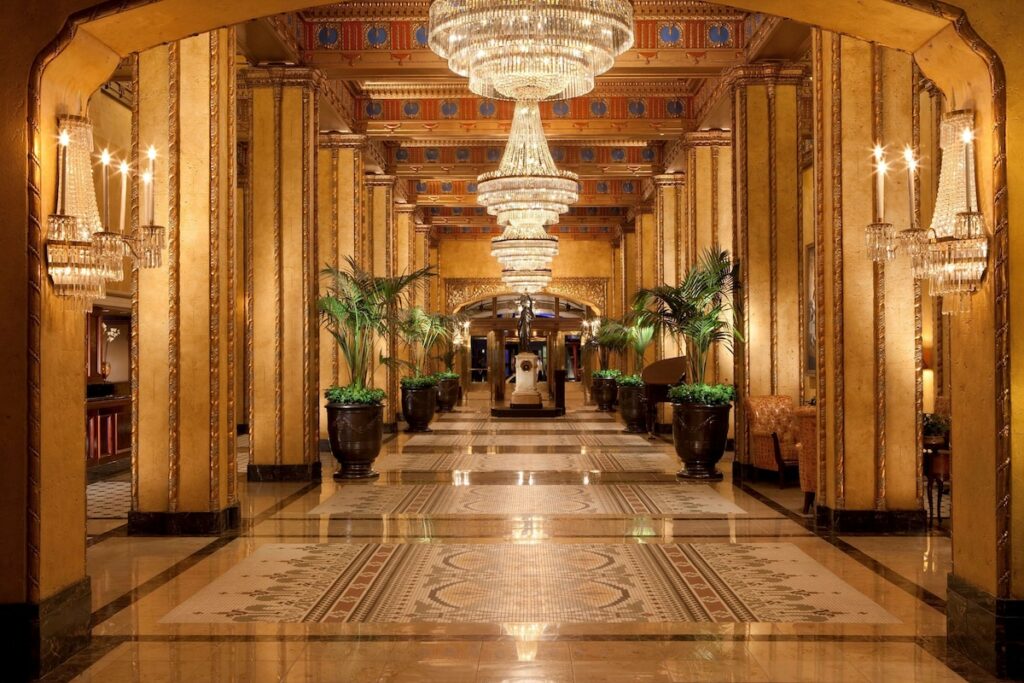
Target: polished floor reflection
(501, 550)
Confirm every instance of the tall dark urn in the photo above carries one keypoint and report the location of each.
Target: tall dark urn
(356, 432)
(700, 433)
(418, 406)
(605, 392)
(447, 395)
(633, 409)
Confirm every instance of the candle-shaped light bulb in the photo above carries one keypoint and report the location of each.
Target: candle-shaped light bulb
(968, 138)
(105, 185)
(64, 139)
(908, 156)
(150, 189)
(123, 168)
(880, 169)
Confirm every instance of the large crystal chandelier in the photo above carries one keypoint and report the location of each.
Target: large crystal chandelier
(524, 248)
(527, 188)
(530, 49)
(526, 281)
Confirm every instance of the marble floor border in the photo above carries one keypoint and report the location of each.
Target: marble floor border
(936, 646)
(890, 575)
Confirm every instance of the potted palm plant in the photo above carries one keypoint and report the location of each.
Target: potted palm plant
(632, 406)
(448, 380)
(420, 331)
(357, 308)
(610, 337)
(699, 312)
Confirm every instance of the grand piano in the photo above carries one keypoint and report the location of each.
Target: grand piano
(658, 377)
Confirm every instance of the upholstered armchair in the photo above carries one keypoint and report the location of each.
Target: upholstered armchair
(806, 431)
(772, 443)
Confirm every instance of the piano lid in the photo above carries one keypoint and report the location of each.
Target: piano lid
(665, 371)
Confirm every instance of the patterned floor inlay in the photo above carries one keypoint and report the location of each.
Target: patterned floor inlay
(648, 461)
(478, 584)
(108, 499)
(609, 499)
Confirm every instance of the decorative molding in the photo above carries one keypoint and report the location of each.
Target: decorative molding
(878, 293)
(773, 241)
(134, 349)
(173, 276)
(589, 290)
(232, 209)
(839, 355)
(278, 282)
(213, 261)
(818, 52)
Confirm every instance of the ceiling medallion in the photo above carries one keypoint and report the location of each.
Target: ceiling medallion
(529, 49)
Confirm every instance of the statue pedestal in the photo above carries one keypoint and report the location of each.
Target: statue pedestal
(526, 394)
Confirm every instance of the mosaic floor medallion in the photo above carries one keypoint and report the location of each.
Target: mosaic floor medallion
(441, 583)
(608, 499)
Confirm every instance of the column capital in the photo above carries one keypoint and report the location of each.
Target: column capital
(284, 76)
(708, 138)
(402, 207)
(338, 140)
(379, 180)
(670, 180)
(762, 74)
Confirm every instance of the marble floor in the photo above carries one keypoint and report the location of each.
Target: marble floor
(515, 550)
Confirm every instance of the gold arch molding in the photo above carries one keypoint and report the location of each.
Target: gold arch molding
(592, 291)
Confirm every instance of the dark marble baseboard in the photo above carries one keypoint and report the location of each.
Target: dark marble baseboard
(988, 630)
(306, 472)
(184, 523)
(41, 636)
(871, 521)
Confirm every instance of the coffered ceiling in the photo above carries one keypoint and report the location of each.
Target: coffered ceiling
(437, 136)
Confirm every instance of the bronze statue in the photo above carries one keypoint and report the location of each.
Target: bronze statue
(526, 317)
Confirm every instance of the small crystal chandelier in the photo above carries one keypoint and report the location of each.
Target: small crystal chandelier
(527, 189)
(958, 256)
(150, 238)
(530, 49)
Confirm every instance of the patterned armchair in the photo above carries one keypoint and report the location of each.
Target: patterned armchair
(806, 419)
(772, 444)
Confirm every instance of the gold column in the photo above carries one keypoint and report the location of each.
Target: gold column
(183, 346)
(340, 205)
(869, 314)
(670, 236)
(421, 259)
(709, 155)
(379, 255)
(767, 244)
(281, 271)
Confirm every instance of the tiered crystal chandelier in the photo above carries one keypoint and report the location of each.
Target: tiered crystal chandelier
(525, 194)
(530, 49)
(958, 255)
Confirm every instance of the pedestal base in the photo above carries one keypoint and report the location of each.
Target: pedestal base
(526, 399)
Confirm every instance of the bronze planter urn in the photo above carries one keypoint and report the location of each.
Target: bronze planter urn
(447, 394)
(418, 407)
(605, 391)
(633, 409)
(356, 432)
(700, 433)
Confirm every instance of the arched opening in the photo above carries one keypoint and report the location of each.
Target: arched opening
(946, 49)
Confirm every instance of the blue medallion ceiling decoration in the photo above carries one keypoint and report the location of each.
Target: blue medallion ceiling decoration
(376, 36)
(449, 109)
(560, 109)
(669, 35)
(719, 35)
(411, 109)
(636, 108)
(598, 107)
(487, 109)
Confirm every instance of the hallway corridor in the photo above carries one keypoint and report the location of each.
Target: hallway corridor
(517, 550)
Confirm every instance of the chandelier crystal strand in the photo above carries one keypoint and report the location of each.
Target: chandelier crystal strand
(526, 281)
(524, 248)
(530, 49)
(108, 246)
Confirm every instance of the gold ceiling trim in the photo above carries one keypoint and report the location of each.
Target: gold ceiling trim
(419, 9)
(658, 86)
(588, 290)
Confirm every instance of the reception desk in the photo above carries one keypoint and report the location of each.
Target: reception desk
(108, 428)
